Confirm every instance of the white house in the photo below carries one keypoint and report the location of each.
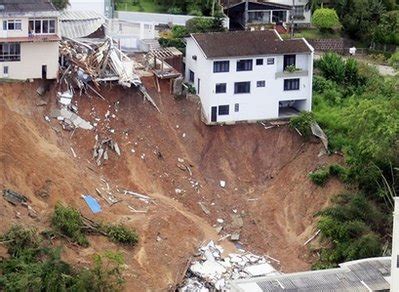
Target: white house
(249, 75)
(29, 36)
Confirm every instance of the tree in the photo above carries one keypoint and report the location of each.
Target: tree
(325, 19)
(387, 31)
(60, 4)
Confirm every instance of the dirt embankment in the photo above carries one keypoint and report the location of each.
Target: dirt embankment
(265, 173)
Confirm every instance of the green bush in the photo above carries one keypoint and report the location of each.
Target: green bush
(325, 19)
(121, 234)
(38, 267)
(18, 239)
(332, 67)
(68, 222)
(302, 122)
(320, 177)
(175, 10)
(394, 60)
(339, 171)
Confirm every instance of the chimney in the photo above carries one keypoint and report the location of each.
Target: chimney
(395, 249)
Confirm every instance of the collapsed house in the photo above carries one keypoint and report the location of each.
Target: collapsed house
(97, 61)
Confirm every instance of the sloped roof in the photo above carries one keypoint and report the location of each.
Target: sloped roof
(77, 24)
(26, 6)
(247, 43)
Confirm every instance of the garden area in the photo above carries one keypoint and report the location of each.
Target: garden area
(192, 7)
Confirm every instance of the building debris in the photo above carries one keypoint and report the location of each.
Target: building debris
(69, 120)
(319, 133)
(141, 197)
(100, 149)
(205, 209)
(222, 183)
(97, 61)
(92, 203)
(312, 237)
(65, 98)
(210, 272)
(13, 197)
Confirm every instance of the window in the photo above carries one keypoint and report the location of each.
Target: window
(223, 110)
(397, 261)
(270, 61)
(221, 66)
(259, 62)
(244, 65)
(5, 70)
(298, 12)
(220, 88)
(191, 76)
(242, 87)
(12, 25)
(261, 83)
(291, 84)
(289, 60)
(42, 26)
(10, 52)
(194, 57)
(237, 107)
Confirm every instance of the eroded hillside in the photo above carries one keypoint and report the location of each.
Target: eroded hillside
(265, 171)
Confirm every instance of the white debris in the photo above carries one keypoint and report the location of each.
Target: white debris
(222, 183)
(220, 220)
(210, 272)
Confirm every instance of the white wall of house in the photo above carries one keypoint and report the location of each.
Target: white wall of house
(262, 102)
(33, 53)
(33, 57)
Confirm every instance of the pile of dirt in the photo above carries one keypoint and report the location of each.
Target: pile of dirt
(176, 160)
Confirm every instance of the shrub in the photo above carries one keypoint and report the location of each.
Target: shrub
(175, 10)
(332, 67)
(321, 84)
(179, 31)
(303, 122)
(18, 239)
(394, 60)
(339, 171)
(68, 222)
(325, 19)
(320, 177)
(121, 234)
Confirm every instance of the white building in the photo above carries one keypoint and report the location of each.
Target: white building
(29, 37)
(102, 7)
(249, 75)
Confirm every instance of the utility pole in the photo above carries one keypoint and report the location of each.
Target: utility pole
(292, 18)
(246, 13)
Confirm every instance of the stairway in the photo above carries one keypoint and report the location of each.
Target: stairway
(280, 29)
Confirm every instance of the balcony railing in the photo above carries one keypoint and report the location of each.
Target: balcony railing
(296, 73)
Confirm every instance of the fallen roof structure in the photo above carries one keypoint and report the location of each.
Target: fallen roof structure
(78, 24)
(166, 62)
(94, 60)
(362, 275)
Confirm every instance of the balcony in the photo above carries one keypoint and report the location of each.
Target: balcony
(292, 73)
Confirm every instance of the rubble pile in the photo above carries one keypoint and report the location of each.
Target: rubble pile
(210, 271)
(100, 149)
(97, 61)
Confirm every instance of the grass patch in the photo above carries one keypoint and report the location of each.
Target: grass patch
(312, 34)
(140, 6)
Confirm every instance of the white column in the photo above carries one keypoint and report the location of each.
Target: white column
(395, 249)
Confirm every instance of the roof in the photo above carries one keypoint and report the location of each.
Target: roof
(247, 43)
(22, 6)
(361, 275)
(77, 24)
(255, 5)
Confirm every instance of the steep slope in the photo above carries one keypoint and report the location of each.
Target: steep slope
(265, 173)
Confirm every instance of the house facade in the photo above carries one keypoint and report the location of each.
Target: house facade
(249, 75)
(247, 14)
(29, 37)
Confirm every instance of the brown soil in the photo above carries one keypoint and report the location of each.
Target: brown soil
(265, 173)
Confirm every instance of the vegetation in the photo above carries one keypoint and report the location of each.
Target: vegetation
(302, 123)
(394, 60)
(191, 7)
(68, 222)
(325, 19)
(387, 31)
(60, 4)
(34, 265)
(359, 111)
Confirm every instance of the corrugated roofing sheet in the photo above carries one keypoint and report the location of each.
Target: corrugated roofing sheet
(77, 24)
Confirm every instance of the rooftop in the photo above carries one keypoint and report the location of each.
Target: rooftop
(247, 43)
(361, 275)
(22, 6)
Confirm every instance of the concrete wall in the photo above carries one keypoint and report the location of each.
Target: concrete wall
(33, 56)
(307, 13)
(158, 18)
(262, 102)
